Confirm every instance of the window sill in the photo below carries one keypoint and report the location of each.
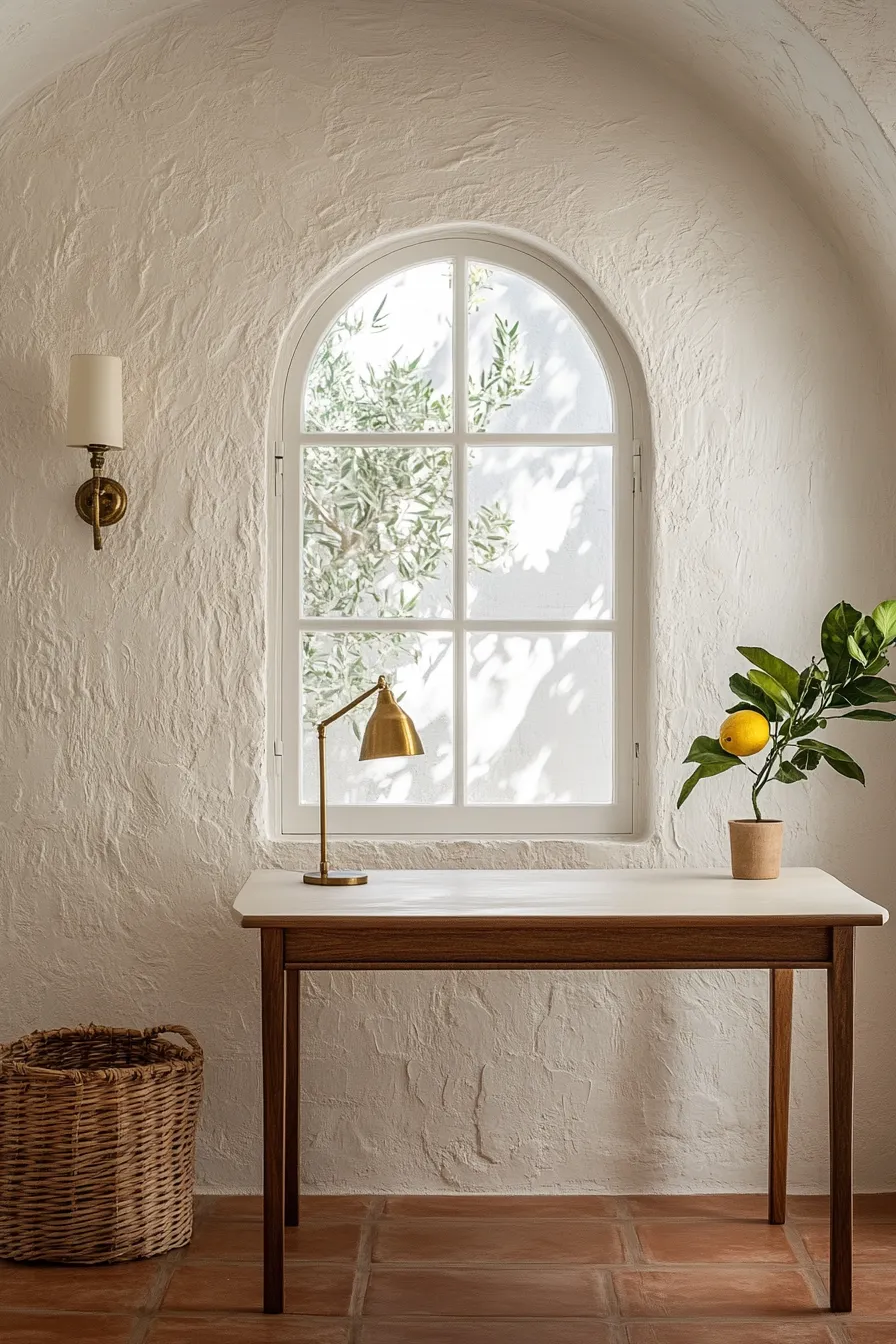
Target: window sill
(451, 845)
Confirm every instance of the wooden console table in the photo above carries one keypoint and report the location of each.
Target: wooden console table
(559, 920)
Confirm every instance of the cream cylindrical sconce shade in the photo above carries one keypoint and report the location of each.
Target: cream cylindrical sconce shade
(94, 402)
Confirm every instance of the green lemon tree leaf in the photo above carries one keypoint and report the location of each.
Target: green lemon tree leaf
(782, 672)
(884, 617)
(809, 686)
(864, 691)
(788, 773)
(705, 771)
(708, 749)
(836, 628)
(850, 769)
(836, 757)
(689, 785)
(855, 652)
(772, 688)
(745, 690)
(875, 688)
(870, 715)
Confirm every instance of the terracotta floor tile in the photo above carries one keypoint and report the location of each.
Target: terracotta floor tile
(877, 1208)
(242, 1239)
(246, 1330)
(706, 1242)
(872, 1334)
(873, 1292)
(501, 1206)
(873, 1243)
(713, 1292)
(541, 1292)
(752, 1332)
(311, 1290)
(698, 1206)
(343, 1207)
(100, 1288)
(485, 1332)
(18, 1328)
(452, 1240)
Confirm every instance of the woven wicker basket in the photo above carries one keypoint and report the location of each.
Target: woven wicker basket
(97, 1144)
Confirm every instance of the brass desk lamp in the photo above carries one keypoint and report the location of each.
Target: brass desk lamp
(389, 732)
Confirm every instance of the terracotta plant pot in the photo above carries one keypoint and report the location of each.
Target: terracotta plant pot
(756, 848)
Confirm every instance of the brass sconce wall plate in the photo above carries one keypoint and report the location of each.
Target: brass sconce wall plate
(100, 501)
(113, 501)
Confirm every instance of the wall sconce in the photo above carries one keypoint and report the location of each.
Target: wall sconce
(95, 423)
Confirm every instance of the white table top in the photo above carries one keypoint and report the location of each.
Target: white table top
(274, 896)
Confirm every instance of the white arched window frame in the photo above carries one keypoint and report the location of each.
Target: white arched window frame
(294, 811)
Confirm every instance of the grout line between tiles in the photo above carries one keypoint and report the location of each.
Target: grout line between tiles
(362, 1268)
(837, 1328)
(806, 1264)
(634, 1254)
(148, 1313)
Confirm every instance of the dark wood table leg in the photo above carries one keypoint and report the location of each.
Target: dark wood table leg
(780, 1031)
(840, 1066)
(293, 1084)
(273, 1056)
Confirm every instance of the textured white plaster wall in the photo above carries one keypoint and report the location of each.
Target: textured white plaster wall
(173, 199)
(861, 36)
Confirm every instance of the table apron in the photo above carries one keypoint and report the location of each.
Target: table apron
(576, 947)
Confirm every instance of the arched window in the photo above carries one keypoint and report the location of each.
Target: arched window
(456, 503)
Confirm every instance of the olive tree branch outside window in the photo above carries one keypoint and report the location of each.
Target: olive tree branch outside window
(357, 503)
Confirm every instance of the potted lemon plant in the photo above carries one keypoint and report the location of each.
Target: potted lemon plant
(781, 711)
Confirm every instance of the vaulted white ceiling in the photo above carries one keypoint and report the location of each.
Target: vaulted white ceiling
(708, 39)
(752, 62)
(38, 38)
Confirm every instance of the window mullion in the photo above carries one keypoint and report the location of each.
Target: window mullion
(460, 529)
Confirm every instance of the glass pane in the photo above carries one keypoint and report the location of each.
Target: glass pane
(540, 718)
(541, 533)
(377, 531)
(385, 363)
(532, 369)
(419, 667)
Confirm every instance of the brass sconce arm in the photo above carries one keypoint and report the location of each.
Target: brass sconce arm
(100, 501)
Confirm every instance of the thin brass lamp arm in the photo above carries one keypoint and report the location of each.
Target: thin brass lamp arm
(359, 699)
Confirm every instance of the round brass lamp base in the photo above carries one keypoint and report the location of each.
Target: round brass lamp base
(113, 501)
(335, 879)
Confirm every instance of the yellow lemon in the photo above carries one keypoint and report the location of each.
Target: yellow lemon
(744, 733)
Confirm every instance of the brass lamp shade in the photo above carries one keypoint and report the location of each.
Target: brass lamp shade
(389, 731)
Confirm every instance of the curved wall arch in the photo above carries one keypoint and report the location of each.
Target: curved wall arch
(174, 199)
(797, 77)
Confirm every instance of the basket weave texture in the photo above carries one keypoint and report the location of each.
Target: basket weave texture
(97, 1143)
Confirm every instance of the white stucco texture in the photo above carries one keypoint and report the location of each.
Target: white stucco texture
(723, 176)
